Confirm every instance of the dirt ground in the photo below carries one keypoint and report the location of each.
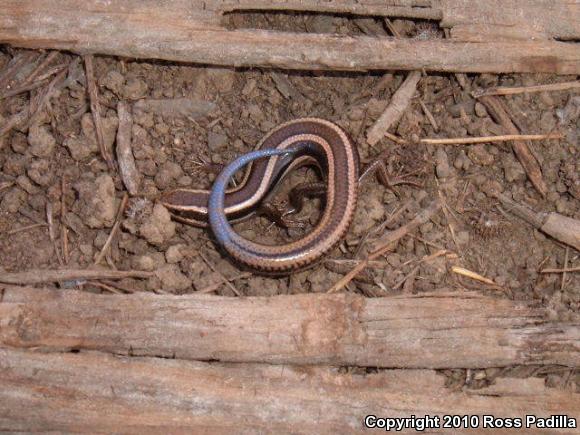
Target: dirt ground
(51, 166)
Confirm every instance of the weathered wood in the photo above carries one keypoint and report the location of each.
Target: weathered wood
(520, 19)
(423, 9)
(512, 19)
(103, 393)
(181, 30)
(438, 330)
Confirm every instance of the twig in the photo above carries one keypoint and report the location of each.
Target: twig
(213, 287)
(105, 287)
(115, 228)
(221, 275)
(23, 88)
(565, 267)
(381, 227)
(429, 115)
(562, 228)
(448, 212)
(394, 138)
(13, 67)
(528, 161)
(485, 139)
(29, 83)
(523, 212)
(399, 103)
(351, 262)
(570, 269)
(43, 98)
(26, 228)
(39, 276)
(51, 233)
(41, 66)
(95, 109)
(118, 286)
(63, 227)
(14, 120)
(473, 275)
(385, 243)
(127, 168)
(425, 259)
(392, 28)
(526, 89)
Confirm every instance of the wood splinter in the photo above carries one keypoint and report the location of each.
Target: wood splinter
(562, 228)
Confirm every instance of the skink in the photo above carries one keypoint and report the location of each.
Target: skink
(295, 143)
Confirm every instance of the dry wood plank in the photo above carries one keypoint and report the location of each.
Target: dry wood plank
(75, 392)
(517, 19)
(467, 19)
(181, 30)
(438, 330)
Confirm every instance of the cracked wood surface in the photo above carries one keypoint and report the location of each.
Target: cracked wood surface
(189, 31)
(75, 392)
(519, 19)
(435, 330)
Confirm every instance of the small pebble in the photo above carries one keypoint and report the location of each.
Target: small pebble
(479, 155)
(168, 172)
(98, 203)
(172, 279)
(113, 81)
(184, 181)
(491, 188)
(13, 200)
(216, 141)
(462, 237)
(24, 182)
(480, 110)
(80, 148)
(39, 172)
(159, 227)
(174, 254)
(513, 170)
(222, 78)
(19, 143)
(562, 206)
(442, 168)
(41, 141)
(145, 262)
(135, 89)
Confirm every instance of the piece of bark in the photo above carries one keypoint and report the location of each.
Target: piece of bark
(127, 167)
(189, 31)
(521, 150)
(562, 228)
(103, 393)
(438, 330)
(520, 19)
(106, 153)
(400, 101)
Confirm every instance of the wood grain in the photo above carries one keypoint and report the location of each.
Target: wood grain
(183, 31)
(103, 393)
(436, 330)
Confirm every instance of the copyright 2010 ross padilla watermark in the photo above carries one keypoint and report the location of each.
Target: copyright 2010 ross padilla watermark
(427, 422)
